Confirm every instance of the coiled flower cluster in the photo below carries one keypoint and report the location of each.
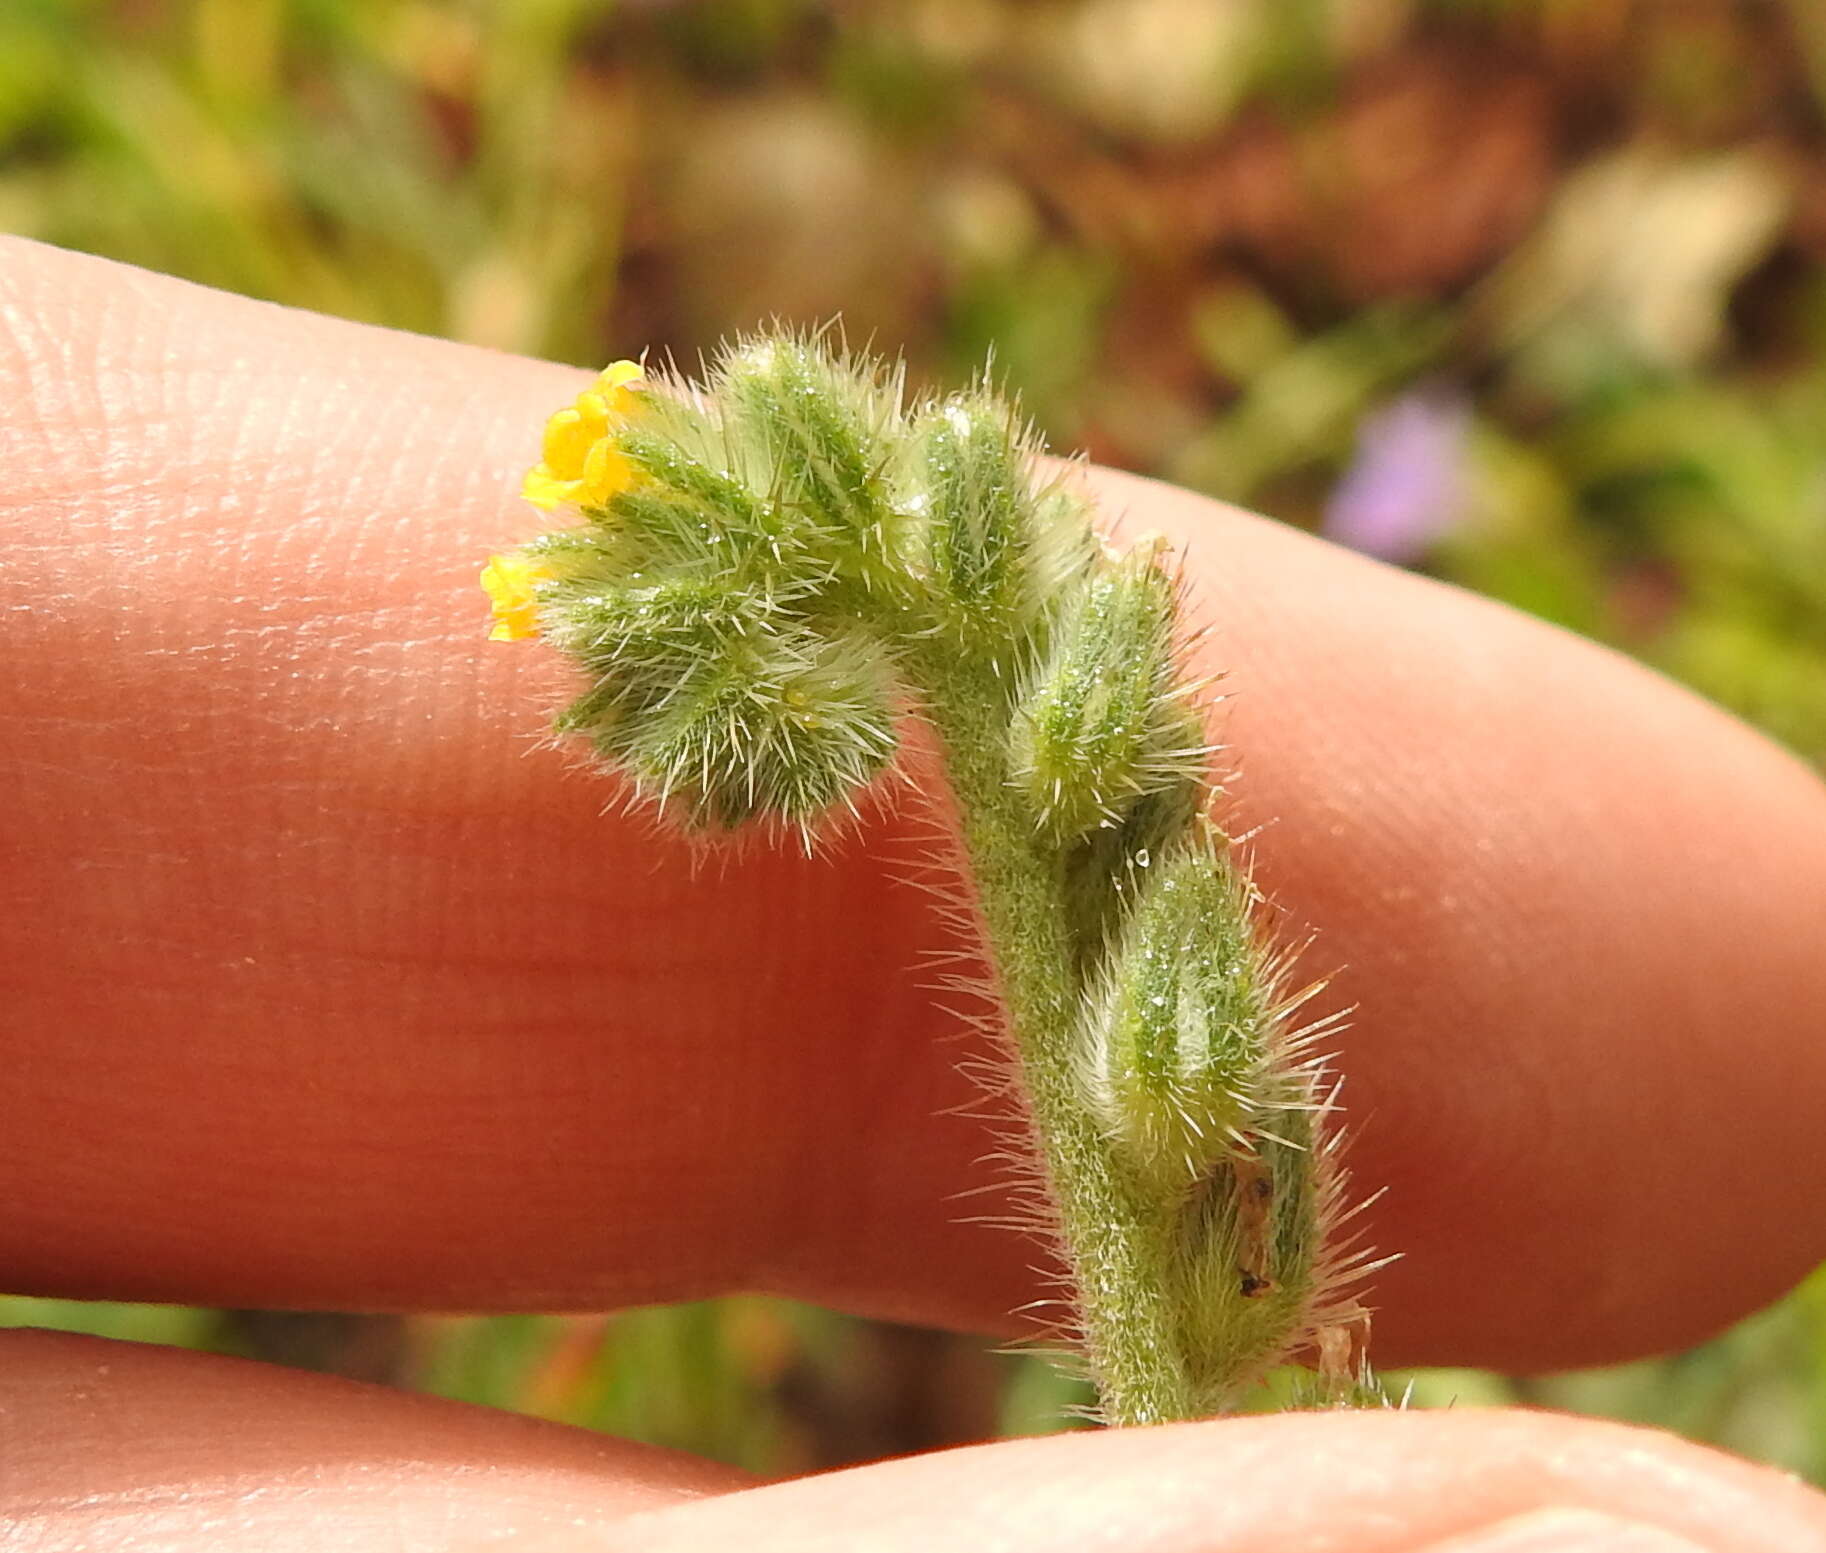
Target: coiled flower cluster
(766, 575)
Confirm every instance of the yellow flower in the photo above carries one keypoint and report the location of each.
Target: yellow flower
(509, 580)
(581, 463)
(544, 489)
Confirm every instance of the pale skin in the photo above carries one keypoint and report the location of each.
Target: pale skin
(329, 985)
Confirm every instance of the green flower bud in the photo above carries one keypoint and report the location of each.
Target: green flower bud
(775, 725)
(819, 419)
(1178, 1034)
(654, 635)
(1104, 721)
(980, 521)
(1247, 1262)
(1102, 875)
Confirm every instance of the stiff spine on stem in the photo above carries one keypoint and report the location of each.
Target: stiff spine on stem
(763, 574)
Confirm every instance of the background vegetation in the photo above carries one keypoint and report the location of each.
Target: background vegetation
(1530, 294)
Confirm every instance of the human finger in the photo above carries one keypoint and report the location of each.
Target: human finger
(330, 986)
(1443, 1482)
(130, 1446)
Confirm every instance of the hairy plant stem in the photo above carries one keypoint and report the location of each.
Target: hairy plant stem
(1108, 1228)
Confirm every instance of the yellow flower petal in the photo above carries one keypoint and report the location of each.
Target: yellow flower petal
(605, 473)
(509, 581)
(616, 378)
(568, 440)
(544, 489)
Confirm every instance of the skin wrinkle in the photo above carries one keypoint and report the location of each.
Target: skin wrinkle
(382, 772)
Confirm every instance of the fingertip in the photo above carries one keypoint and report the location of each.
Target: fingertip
(1297, 1483)
(126, 1445)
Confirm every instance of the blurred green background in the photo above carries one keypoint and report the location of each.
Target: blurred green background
(1529, 294)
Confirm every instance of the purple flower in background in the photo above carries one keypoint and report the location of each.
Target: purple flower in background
(1406, 486)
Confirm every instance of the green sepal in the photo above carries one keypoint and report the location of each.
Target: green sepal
(819, 419)
(1245, 1255)
(776, 725)
(1102, 723)
(980, 529)
(1107, 867)
(1180, 1018)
